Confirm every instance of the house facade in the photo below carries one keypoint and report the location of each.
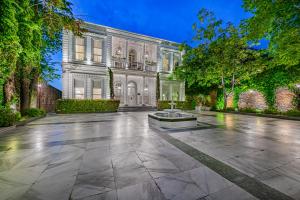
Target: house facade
(134, 59)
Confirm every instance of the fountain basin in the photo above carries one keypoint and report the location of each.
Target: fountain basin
(172, 120)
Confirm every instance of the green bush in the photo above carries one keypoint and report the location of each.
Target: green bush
(7, 117)
(34, 112)
(184, 105)
(293, 113)
(86, 105)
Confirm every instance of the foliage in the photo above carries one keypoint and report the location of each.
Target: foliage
(188, 104)
(111, 83)
(34, 112)
(278, 22)
(157, 87)
(7, 117)
(222, 57)
(86, 106)
(9, 43)
(31, 31)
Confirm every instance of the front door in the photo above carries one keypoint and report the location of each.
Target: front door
(132, 94)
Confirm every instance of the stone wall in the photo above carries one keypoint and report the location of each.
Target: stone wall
(284, 100)
(230, 100)
(252, 99)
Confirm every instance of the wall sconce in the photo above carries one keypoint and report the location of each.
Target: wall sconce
(119, 50)
(146, 55)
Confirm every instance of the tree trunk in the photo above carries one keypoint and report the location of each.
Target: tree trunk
(224, 93)
(25, 94)
(8, 90)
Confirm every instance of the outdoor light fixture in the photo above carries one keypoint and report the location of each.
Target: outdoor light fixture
(119, 50)
(146, 55)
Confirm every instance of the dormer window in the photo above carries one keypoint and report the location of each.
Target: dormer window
(79, 48)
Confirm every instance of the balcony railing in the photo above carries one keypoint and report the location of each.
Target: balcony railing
(119, 63)
(135, 66)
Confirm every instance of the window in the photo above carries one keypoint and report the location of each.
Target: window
(79, 48)
(97, 51)
(97, 90)
(176, 59)
(79, 89)
(166, 61)
(118, 90)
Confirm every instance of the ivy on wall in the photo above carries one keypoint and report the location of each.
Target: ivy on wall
(111, 83)
(267, 82)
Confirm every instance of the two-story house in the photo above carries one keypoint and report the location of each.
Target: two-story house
(135, 60)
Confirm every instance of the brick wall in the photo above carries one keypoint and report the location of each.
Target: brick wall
(252, 99)
(45, 97)
(284, 100)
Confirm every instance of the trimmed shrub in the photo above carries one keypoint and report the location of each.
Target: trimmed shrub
(86, 106)
(34, 112)
(7, 117)
(184, 105)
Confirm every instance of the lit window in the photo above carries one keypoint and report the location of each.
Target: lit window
(166, 62)
(79, 48)
(97, 51)
(97, 90)
(79, 89)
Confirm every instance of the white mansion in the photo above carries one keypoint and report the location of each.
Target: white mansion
(133, 58)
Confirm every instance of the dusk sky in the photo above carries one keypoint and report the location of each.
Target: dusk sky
(171, 20)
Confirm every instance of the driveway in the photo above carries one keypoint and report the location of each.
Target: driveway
(117, 156)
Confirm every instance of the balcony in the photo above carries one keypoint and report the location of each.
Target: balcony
(135, 66)
(150, 66)
(119, 63)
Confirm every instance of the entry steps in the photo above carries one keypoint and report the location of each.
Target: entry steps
(136, 108)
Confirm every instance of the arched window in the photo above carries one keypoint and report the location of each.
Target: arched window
(132, 58)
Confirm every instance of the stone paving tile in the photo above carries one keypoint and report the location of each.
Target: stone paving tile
(117, 156)
(93, 183)
(230, 193)
(179, 186)
(147, 190)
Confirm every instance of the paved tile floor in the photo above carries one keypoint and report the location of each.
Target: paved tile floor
(117, 156)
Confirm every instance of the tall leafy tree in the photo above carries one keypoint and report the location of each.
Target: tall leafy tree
(40, 31)
(9, 48)
(279, 22)
(222, 57)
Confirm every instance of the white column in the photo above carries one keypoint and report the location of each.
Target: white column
(89, 88)
(143, 90)
(143, 57)
(125, 90)
(171, 61)
(126, 64)
(160, 90)
(88, 49)
(170, 90)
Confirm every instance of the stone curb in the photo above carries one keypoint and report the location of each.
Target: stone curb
(263, 115)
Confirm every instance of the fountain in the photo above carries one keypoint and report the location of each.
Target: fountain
(172, 118)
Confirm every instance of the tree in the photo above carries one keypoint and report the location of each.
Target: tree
(9, 48)
(279, 22)
(222, 57)
(40, 31)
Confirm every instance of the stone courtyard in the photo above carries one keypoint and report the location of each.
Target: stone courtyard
(118, 156)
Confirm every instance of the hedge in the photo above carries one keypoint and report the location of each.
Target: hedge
(86, 106)
(7, 117)
(184, 105)
(34, 112)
